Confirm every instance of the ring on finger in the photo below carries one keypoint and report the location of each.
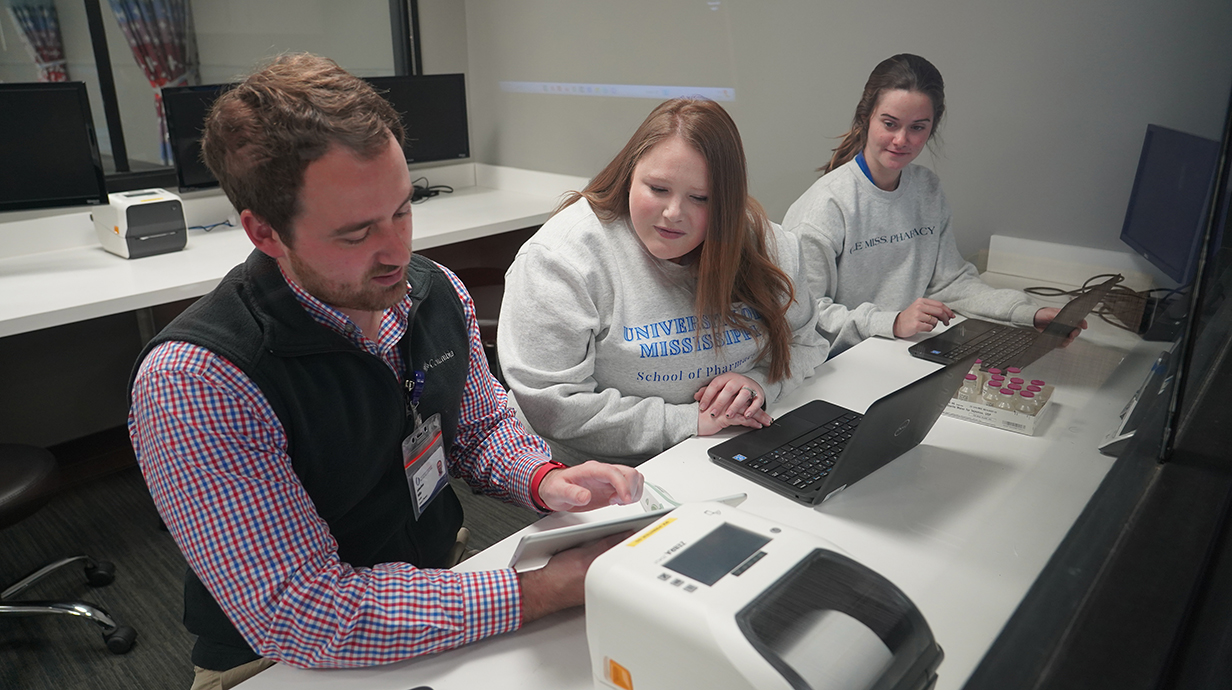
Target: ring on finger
(752, 393)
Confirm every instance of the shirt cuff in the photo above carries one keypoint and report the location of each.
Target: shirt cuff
(493, 603)
(540, 473)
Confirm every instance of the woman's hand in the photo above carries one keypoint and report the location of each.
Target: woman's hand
(1044, 316)
(920, 317)
(730, 399)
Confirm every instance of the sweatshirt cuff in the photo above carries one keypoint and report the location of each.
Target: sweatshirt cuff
(882, 323)
(1024, 314)
(680, 422)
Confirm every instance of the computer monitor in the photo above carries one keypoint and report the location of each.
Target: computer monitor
(1167, 207)
(432, 108)
(48, 148)
(433, 111)
(185, 108)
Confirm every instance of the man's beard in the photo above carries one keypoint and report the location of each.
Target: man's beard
(366, 296)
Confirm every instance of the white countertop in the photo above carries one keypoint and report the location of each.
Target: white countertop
(74, 279)
(963, 524)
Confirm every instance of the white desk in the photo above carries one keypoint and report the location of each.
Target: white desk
(61, 275)
(963, 523)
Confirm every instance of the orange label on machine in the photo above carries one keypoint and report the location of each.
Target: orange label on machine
(619, 675)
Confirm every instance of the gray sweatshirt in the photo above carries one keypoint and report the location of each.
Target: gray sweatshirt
(600, 346)
(870, 253)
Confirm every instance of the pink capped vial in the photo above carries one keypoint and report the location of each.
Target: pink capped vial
(1034, 388)
(990, 393)
(1013, 370)
(969, 391)
(1017, 379)
(994, 370)
(1037, 382)
(1015, 387)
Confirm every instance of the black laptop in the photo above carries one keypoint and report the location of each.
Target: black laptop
(1005, 346)
(818, 449)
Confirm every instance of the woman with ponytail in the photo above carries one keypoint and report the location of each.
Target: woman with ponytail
(875, 229)
(659, 302)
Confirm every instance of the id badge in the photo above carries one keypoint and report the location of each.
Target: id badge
(423, 458)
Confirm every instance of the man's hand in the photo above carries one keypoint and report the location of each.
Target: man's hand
(920, 317)
(730, 399)
(590, 485)
(1044, 316)
(561, 584)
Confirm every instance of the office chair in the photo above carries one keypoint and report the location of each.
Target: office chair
(487, 288)
(26, 473)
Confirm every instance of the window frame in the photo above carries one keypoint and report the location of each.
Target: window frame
(404, 33)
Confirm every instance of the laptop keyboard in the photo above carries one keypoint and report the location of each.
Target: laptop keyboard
(807, 460)
(999, 346)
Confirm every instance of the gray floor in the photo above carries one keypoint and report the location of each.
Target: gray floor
(114, 519)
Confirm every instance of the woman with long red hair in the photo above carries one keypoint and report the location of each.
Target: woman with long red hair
(659, 302)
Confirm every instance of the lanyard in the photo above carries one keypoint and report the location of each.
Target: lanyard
(864, 166)
(414, 382)
(414, 389)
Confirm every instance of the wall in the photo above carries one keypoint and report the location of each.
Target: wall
(234, 36)
(1047, 101)
(442, 35)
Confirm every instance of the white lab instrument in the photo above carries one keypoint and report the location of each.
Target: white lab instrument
(535, 549)
(713, 597)
(140, 223)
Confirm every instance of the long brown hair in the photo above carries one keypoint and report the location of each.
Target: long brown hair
(904, 71)
(261, 135)
(735, 263)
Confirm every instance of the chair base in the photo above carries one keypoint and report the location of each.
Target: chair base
(119, 638)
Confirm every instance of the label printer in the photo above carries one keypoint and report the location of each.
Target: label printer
(141, 223)
(713, 597)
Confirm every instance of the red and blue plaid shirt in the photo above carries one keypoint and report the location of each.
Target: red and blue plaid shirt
(214, 456)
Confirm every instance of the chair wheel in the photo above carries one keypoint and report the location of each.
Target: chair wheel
(100, 573)
(120, 640)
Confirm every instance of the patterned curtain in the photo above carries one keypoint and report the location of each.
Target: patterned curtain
(161, 36)
(40, 31)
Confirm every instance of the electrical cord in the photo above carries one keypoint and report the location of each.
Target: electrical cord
(1123, 304)
(207, 228)
(426, 191)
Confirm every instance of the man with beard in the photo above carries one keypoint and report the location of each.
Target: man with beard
(298, 425)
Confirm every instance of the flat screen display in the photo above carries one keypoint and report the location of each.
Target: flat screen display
(433, 111)
(48, 149)
(432, 108)
(185, 108)
(1168, 202)
(715, 554)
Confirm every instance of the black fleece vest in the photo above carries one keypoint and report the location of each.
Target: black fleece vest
(345, 417)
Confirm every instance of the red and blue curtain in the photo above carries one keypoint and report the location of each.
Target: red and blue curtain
(40, 31)
(161, 36)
